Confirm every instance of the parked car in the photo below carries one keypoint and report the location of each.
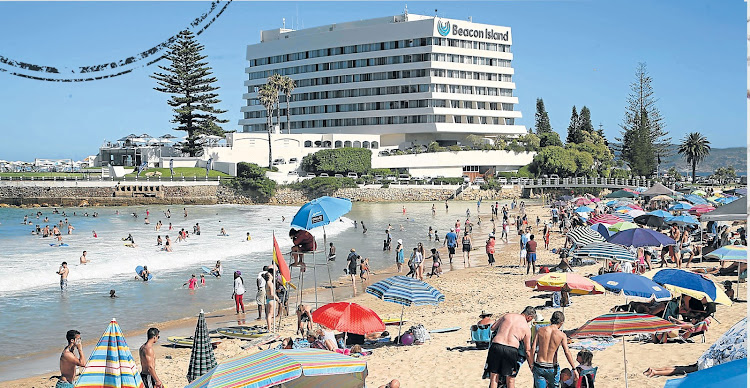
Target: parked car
(404, 177)
(384, 153)
(352, 175)
(338, 176)
(503, 181)
(277, 162)
(391, 178)
(293, 172)
(292, 160)
(466, 179)
(323, 175)
(479, 180)
(378, 177)
(514, 181)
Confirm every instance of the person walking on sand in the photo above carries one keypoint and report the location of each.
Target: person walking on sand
(502, 359)
(239, 291)
(436, 263)
(522, 255)
(260, 295)
(399, 254)
(490, 249)
(466, 247)
(351, 262)
(69, 361)
(549, 339)
(450, 241)
(148, 360)
(418, 259)
(531, 255)
(63, 272)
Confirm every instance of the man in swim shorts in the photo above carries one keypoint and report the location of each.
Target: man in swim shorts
(450, 241)
(63, 272)
(68, 360)
(502, 359)
(148, 360)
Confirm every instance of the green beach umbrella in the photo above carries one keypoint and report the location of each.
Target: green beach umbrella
(622, 226)
(202, 356)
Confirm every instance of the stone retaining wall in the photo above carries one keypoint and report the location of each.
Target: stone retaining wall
(104, 196)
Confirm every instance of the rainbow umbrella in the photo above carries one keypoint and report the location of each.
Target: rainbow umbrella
(111, 365)
(555, 281)
(622, 324)
(731, 253)
(288, 368)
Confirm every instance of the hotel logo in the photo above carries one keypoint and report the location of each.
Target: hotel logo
(443, 29)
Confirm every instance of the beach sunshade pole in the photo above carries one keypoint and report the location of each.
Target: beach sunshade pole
(401, 322)
(625, 361)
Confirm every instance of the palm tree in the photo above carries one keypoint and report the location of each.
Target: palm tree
(287, 87)
(276, 81)
(694, 147)
(268, 97)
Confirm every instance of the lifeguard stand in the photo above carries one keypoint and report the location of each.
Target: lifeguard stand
(311, 265)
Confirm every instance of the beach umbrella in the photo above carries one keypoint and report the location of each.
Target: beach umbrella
(662, 197)
(702, 209)
(633, 286)
(623, 209)
(286, 368)
(582, 235)
(689, 283)
(634, 206)
(730, 374)
(640, 237)
(604, 218)
(635, 213)
(625, 217)
(348, 317)
(111, 364)
(623, 324)
(584, 209)
(681, 221)
(732, 345)
(695, 200)
(621, 194)
(620, 226)
(601, 229)
(604, 251)
(405, 291)
(202, 355)
(699, 193)
(650, 220)
(580, 201)
(736, 253)
(660, 213)
(680, 206)
(555, 281)
(320, 212)
(595, 199)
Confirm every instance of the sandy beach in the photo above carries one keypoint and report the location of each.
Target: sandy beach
(468, 291)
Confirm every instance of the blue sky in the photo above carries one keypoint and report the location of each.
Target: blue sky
(567, 52)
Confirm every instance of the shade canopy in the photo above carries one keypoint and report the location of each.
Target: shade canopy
(621, 194)
(657, 189)
(604, 251)
(320, 212)
(734, 211)
(348, 317)
(582, 235)
(695, 200)
(633, 286)
(555, 281)
(640, 237)
(287, 368)
(111, 364)
(730, 374)
(730, 253)
(623, 323)
(689, 283)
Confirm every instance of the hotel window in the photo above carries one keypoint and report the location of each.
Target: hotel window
(470, 119)
(471, 169)
(509, 121)
(308, 143)
(365, 144)
(337, 144)
(457, 119)
(357, 144)
(347, 144)
(374, 145)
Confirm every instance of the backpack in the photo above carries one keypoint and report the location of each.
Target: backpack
(420, 333)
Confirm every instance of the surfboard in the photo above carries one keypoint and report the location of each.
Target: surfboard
(208, 271)
(260, 341)
(138, 270)
(242, 332)
(446, 330)
(58, 245)
(394, 321)
(187, 342)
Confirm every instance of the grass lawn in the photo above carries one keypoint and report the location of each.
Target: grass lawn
(179, 172)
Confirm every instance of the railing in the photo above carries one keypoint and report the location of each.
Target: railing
(100, 178)
(585, 181)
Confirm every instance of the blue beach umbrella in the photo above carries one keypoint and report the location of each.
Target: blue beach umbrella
(681, 206)
(405, 291)
(634, 286)
(730, 374)
(584, 209)
(625, 217)
(640, 237)
(695, 200)
(601, 228)
(682, 220)
(626, 208)
(660, 213)
(320, 212)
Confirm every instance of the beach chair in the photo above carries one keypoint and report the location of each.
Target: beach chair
(481, 336)
(586, 378)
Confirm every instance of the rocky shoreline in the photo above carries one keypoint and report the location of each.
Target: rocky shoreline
(45, 196)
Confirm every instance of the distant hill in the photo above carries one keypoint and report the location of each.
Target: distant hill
(719, 157)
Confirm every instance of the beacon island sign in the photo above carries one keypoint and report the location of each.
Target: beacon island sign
(445, 29)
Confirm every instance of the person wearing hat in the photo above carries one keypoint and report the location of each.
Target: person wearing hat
(490, 249)
(485, 319)
(352, 261)
(400, 255)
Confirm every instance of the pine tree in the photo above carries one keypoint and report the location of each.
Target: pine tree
(188, 79)
(641, 155)
(573, 127)
(641, 99)
(584, 120)
(541, 118)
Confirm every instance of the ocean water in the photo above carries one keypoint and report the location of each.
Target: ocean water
(35, 314)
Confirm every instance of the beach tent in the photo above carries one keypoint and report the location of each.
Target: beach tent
(621, 194)
(111, 364)
(734, 211)
(730, 374)
(289, 368)
(657, 189)
(731, 346)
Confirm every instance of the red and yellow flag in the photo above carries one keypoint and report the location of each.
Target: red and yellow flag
(278, 258)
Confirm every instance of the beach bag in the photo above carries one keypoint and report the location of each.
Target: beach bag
(420, 333)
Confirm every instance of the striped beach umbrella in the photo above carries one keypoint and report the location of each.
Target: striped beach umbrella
(605, 218)
(604, 251)
(406, 291)
(626, 217)
(202, 356)
(555, 281)
(730, 253)
(623, 324)
(111, 365)
(582, 235)
(702, 209)
(288, 368)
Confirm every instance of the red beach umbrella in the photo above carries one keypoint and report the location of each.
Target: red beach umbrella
(701, 209)
(580, 201)
(605, 219)
(348, 317)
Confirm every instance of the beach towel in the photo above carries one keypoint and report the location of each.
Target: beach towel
(593, 343)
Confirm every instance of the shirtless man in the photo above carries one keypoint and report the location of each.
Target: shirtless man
(83, 258)
(68, 360)
(502, 359)
(63, 272)
(546, 370)
(148, 361)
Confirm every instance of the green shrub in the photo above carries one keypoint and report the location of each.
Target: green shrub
(338, 161)
(251, 179)
(491, 184)
(382, 171)
(448, 181)
(320, 186)
(455, 148)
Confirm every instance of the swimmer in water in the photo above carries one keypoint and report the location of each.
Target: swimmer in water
(203, 281)
(223, 232)
(191, 282)
(94, 233)
(248, 237)
(83, 258)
